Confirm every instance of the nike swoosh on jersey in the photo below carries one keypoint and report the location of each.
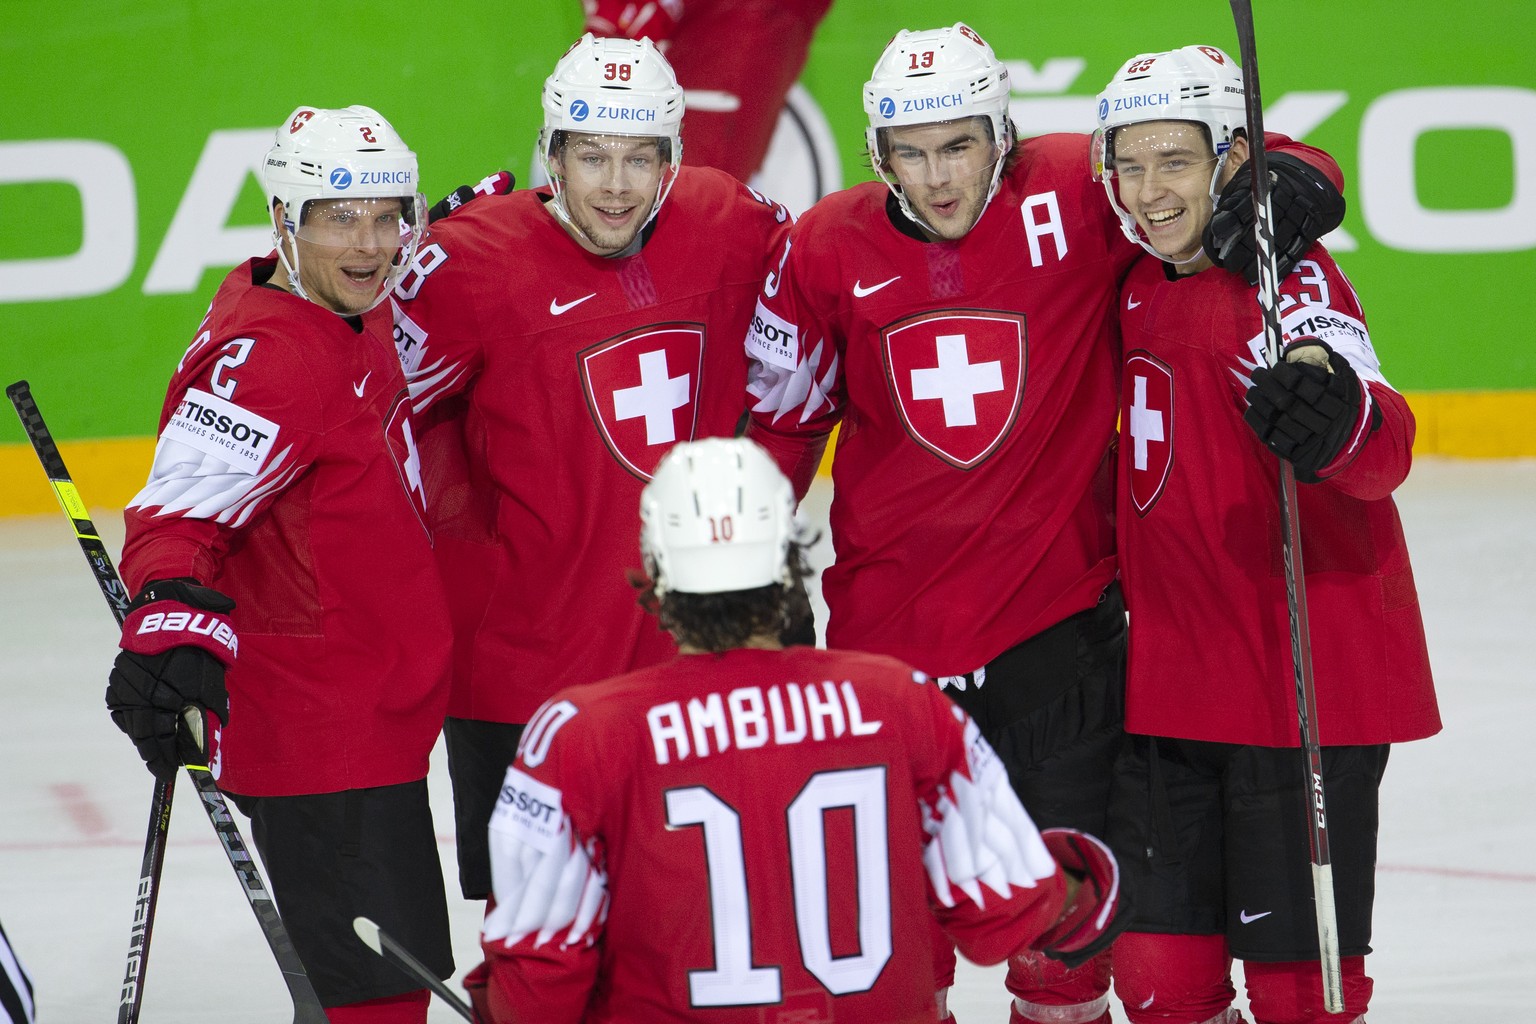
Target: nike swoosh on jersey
(1131, 303)
(859, 291)
(357, 388)
(556, 307)
(1247, 918)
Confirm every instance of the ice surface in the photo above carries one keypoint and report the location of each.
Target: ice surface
(1455, 932)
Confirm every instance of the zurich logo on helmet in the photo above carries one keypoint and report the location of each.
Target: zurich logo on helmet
(579, 110)
(1103, 109)
(341, 178)
(887, 107)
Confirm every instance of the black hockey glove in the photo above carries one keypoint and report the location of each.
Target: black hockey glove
(1306, 207)
(1097, 912)
(176, 643)
(1305, 407)
(497, 184)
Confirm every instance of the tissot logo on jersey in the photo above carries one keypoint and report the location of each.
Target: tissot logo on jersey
(221, 428)
(529, 810)
(772, 339)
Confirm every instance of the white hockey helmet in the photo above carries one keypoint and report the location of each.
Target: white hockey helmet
(936, 75)
(1200, 84)
(350, 153)
(717, 516)
(619, 87)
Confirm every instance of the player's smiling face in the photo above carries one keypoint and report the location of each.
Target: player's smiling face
(945, 171)
(346, 248)
(1163, 177)
(610, 184)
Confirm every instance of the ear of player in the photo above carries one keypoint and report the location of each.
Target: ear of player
(1305, 204)
(1306, 407)
(177, 641)
(1097, 911)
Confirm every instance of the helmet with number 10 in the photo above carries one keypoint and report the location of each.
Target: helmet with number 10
(717, 516)
(612, 139)
(1198, 85)
(926, 87)
(352, 212)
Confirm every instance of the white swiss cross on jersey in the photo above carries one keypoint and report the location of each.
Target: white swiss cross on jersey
(958, 378)
(402, 448)
(1148, 427)
(643, 389)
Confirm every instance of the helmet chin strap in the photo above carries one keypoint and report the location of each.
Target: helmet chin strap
(290, 268)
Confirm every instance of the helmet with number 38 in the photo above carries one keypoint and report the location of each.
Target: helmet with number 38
(612, 88)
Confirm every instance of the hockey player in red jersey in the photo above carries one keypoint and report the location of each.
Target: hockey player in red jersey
(788, 823)
(1209, 809)
(561, 340)
(279, 548)
(960, 325)
(704, 41)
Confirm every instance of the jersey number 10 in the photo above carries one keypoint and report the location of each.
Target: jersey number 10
(734, 981)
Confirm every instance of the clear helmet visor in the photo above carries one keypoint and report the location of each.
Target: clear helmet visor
(608, 187)
(346, 254)
(943, 173)
(1161, 178)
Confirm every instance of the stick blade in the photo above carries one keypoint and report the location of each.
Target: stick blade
(369, 933)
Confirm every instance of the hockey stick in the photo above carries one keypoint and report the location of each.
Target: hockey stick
(306, 1005)
(112, 589)
(380, 941)
(1295, 578)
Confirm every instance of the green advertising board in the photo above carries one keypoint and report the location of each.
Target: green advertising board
(130, 133)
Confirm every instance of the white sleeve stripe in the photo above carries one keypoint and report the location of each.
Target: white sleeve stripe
(190, 483)
(430, 383)
(981, 834)
(545, 894)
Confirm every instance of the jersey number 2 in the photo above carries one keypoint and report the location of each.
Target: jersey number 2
(734, 980)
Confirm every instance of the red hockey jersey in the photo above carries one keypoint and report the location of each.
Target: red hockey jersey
(757, 835)
(568, 375)
(1200, 535)
(286, 476)
(975, 385)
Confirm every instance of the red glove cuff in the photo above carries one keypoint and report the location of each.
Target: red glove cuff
(160, 625)
(1093, 909)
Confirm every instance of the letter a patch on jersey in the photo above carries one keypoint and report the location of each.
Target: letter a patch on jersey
(957, 377)
(1147, 427)
(642, 389)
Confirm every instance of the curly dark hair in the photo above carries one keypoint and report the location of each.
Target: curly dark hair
(721, 622)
